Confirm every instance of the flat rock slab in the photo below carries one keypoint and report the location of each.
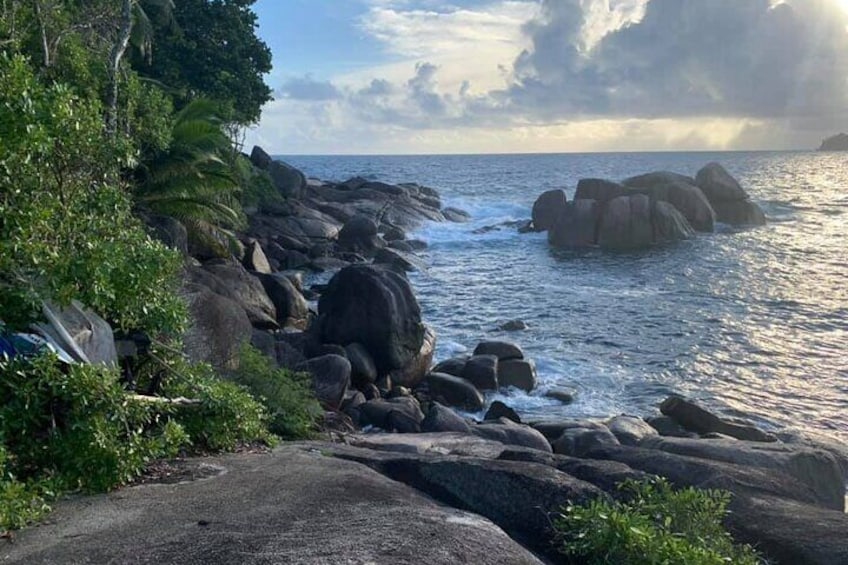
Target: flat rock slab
(294, 505)
(437, 443)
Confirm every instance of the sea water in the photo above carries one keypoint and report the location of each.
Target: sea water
(752, 323)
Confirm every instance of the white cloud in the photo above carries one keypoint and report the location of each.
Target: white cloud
(578, 75)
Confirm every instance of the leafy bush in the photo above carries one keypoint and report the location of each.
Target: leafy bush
(75, 424)
(654, 525)
(66, 227)
(20, 504)
(227, 415)
(287, 396)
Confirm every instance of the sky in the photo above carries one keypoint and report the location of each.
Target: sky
(538, 76)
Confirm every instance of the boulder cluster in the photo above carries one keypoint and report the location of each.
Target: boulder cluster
(644, 210)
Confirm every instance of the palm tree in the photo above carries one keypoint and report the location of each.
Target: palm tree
(194, 180)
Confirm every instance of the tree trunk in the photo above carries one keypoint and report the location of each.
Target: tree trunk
(115, 58)
(42, 25)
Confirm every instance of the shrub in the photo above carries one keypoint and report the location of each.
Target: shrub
(20, 504)
(653, 525)
(66, 226)
(227, 415)
(75, 425)
(287, 396)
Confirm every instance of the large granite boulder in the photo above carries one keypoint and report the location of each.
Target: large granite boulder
(255, 258)
(730, 201)
(817, 470)
(520, 373)
(359, 234)
(455, 391)
(626, 224)
(547, 209)
(169, 231)
(233, 281)
(218, 327)
(330, 378)
(375, 307)
(290, 305)
(694, 418)
(577, 225)
(630, 430)
(600, 190)
(482, 371)
(503, 350)
(670, 224)
(508, 432)
(442, 419)
(688, 199)
(289, 182)
(417, 368)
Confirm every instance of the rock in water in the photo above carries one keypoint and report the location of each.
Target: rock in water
(576, 226)
(482, 372)
(503, 350)
(547, 209)
(455, 391)
(730, 201)
(694, 418)
(375, 307)
(519, 373)
(415, 371)
(600, 190)
(670, 224)
(626, 224)
(500, 410)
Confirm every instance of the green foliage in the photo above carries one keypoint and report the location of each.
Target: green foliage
(192, 180)
(76, 425)
(257, 188)
(227, 415)
(20, 503)
(656, 525)
(213, 52)
(287, 396)
(66, 227)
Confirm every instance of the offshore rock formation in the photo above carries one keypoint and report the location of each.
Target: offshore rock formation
(644, 210)
(838, 142)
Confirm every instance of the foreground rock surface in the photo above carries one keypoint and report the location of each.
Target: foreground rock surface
(292, 506)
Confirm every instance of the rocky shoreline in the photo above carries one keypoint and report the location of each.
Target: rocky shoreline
(370, 356)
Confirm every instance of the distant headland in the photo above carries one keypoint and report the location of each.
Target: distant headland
(838, 142)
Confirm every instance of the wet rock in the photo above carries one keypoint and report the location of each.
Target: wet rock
(626, 224)
(688, 200)
(442, 419)
(455, 391)
(392, 233)
(669, 224)
(377, 308)
(359, 234)
(500, 410)
(482, 372)
(452, 366)
(456, 215)
(630, 430)
(657, 178)
(399, 259)
(553, 430)
(330, 378)
(519, 373)
(503, 350)
(577, 442)
(817, 470)
(417, 244)
(564, 396)
(513, 326)
(600, 190)
(666, 426)
(730, 201)
(402, 246)
(694, 418)
(577, 225)
(547, 209)
(507, 432)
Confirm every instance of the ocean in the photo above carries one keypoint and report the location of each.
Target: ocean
(751, 323)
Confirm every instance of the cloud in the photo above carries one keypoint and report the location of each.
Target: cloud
(731, 58)
(307, 89)
(582, 75)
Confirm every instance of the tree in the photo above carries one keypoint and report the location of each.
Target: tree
(212, 52)
(193, 180)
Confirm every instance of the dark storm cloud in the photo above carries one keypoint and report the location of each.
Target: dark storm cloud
(751, 58)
